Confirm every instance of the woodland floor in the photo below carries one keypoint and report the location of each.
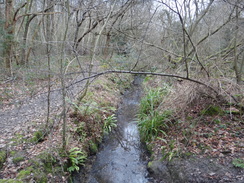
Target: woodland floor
(206, 130)
(24, 111)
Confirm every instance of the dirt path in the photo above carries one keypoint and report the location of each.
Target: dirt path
(31, 109)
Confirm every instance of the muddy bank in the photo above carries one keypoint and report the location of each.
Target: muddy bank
(195, 170)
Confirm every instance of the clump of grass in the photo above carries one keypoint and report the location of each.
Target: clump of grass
(150, 121)
(150, 125)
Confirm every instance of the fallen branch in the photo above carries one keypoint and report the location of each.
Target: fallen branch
(144, 73)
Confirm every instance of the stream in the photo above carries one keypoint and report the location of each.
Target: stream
(121, 158)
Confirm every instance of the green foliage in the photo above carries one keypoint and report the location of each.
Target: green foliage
(217, 121)
(238, 163)
(169, 151)
(150, 121)
(150, 125)
(3, 156)
(12, 153)
(87, 108)
(47, 161)
(40, 166)
(32, 173)
(24, 174)
(80, 129)
(151, 100)
(38, 136)
(18, 159)
(10, 181)
(109, 124)
(153, 123)
(93, 147)
(76, 158)
(18, 139)
(212, 111)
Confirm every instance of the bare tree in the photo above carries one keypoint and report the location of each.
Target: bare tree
(9, 28)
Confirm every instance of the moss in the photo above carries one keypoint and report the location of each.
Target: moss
(149, 165)
(93, 147)
(18, 139)
(18, 159)
(10, 181)
(3, 156)
(12, 153)
(47, 161)
(43, 164)
(33, 173)
(40, 177)
(186, 154)
(24, 174)
(212, 111)
(38, 136)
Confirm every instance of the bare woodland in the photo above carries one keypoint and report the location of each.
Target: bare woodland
(70, 43)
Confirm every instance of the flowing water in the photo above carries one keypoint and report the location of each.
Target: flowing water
(120, 159)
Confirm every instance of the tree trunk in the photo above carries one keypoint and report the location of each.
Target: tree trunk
(24, 58)
(9, 28)
(107, 46)
(236, 68)
(49, 38)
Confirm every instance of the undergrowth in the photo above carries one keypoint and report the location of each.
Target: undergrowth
(186, 119)
(151, 121)
(46, 161)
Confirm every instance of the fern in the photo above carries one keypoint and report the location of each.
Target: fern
(76, 158)
(238, 163)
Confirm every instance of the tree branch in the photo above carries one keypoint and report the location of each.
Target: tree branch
(143, 73)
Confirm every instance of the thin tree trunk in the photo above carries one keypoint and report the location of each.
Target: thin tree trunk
(28, 19)
(184, 40)
(9, 28)
(62, 76)
(107, 46)
(49, 30)
(236, 68)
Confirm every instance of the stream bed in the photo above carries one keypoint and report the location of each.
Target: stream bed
(121, 158)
